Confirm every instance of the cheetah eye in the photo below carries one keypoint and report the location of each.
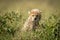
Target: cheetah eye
(36, 15)
(32, 15)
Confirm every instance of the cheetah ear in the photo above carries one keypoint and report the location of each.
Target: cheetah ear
(40, 11)
(28, 12)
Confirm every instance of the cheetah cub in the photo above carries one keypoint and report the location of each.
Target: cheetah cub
(33, 20)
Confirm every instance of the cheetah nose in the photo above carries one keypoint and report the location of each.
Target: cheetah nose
(35, 18)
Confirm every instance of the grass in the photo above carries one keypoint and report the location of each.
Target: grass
(11, 25)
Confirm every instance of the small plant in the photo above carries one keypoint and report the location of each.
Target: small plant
(9, 22)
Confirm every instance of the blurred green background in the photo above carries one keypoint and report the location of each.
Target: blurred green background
(13, 14)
